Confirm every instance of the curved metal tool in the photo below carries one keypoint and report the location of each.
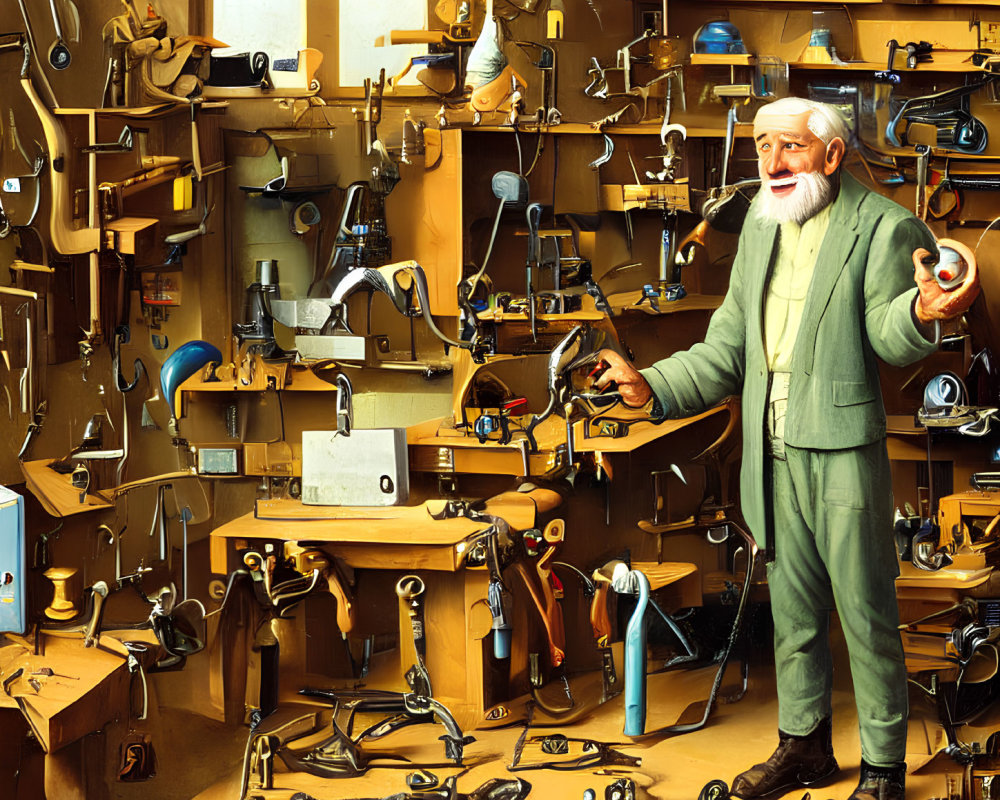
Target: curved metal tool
(605, 157)
(410, 590)
(100, 592)
(59, 54)
(534, 216)
(551, 616)
(577, 348)
(398, 282)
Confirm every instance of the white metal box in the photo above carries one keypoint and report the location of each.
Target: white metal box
(364, 468)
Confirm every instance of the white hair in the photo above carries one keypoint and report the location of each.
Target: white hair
(824, 119)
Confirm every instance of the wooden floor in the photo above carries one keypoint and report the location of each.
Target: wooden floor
(676, 768)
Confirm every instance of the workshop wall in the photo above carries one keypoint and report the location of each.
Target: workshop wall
(196, 263)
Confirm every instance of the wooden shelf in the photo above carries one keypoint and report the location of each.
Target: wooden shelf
(626, 301)
(651, 128)
(872, 66)
(722, 59)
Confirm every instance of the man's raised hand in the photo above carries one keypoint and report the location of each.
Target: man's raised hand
(935, 302)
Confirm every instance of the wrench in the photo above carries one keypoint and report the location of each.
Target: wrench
(409, 590)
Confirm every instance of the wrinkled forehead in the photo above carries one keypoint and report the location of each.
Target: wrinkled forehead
(777, 124)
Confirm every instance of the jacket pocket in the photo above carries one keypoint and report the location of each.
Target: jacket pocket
(851, 393)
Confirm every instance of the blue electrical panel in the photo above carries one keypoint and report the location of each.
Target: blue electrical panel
(13, 566)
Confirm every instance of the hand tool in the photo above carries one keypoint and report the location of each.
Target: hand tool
(635, 655)
(399, 282)
(26, 381)
(306, 561)
(534, 216)
(727, 147)
(373, 110)
(923, 158)
(551, 615)
(600, 622)
(183, 237)
(497, 599)
(59, 54)
(605, 157)
(582, 754)
(100, 594)
(547, 114)
(185, 517)
(34, 428)
(409, 590)
(406, 708)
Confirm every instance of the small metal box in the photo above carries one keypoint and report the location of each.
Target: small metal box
(364, 468)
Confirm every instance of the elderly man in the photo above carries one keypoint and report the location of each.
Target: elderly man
(819, 289)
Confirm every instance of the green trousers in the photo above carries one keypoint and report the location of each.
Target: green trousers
(834, 549)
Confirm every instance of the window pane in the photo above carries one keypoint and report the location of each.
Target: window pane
(361, 24)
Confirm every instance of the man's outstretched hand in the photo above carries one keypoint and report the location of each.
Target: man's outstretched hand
(935, 303)
(634, 390)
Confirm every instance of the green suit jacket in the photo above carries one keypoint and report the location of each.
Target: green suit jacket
(858, 307)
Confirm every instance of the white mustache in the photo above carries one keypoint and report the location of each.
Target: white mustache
(790, 181)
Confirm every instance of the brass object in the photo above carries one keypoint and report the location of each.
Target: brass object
(61, 607)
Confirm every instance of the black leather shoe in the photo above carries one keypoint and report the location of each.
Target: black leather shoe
(881, 783)
(799, 761)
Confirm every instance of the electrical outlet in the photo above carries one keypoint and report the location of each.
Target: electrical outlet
(989, 34)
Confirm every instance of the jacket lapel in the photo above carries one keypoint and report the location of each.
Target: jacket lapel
(760, 277)
(834, 253)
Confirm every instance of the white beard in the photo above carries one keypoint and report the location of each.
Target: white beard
(813, 190)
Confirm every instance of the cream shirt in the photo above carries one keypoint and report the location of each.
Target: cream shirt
(798, 248)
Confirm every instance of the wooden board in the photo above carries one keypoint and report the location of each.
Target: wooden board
(639, 434)
(911, 576)
(64, 709)
(56, 492)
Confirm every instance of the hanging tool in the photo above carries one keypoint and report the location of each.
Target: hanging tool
(727, 147)
(26, 382)
(534, 216)
(159, 526)
(547, 113)
(634, 582)
(551, 617)
(400, 282)
(306, 561)
(100, 594)
(372, 115)
(410, 590)
(59, 54)
(34, 428)
(923, 159)
(605, 157)
(185, 518)
(554, 534)
(600, 622)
